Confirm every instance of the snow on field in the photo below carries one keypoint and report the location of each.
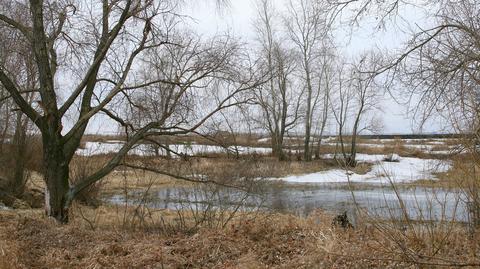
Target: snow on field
(358, 145)
(406, 170)
(436, 142)
(422, 147)
(328, 139)
(426, 147)
(409, 140)
(97, 148)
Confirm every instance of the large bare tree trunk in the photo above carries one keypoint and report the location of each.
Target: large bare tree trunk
(6, 123)
(56, 178)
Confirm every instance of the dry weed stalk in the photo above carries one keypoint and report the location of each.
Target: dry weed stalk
(421, 233)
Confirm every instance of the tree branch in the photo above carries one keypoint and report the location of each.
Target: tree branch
(19, 100)
(26, 31)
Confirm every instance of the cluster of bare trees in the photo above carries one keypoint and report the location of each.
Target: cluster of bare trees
(310, 83)
(437, 70)
(358, 93)
(278, 99)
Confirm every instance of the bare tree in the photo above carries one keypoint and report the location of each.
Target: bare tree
(440, 67)
(440, 71)
(438, 63)
(356, 10)
(218, 65)
(340, 104)
(327, 77)
(365, 95)
(307, 27)
(277, 100)
(99, 45)
(357, 94)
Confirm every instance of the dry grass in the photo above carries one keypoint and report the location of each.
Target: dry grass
(405, 148)
(459, 174)
(268, 166)
(273, 241)
(214, 168)
(130, 179)
(29, 240)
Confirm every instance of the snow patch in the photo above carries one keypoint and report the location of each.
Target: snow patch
(405, 170)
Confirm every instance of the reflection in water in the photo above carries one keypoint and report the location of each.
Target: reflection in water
(418, 203)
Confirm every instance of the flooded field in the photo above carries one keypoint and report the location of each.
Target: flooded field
(418, 203)
(334, 189)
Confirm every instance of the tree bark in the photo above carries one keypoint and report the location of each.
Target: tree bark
(277, 147)
(56, 178)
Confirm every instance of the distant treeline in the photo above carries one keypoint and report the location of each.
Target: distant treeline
(409, 136)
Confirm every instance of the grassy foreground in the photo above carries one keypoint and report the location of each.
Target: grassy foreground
(109, 240)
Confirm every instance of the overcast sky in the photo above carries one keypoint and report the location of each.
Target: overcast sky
(238, 18)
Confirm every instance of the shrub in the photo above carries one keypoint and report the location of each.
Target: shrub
(79, 170)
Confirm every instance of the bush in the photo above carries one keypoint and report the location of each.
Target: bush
(16, 164)
(80, 168)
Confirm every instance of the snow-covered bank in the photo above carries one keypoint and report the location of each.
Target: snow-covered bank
(406, 170)
(97, 148)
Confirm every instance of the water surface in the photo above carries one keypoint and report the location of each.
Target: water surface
(418, 203)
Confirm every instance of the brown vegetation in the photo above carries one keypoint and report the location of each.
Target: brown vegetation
(30, 240)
